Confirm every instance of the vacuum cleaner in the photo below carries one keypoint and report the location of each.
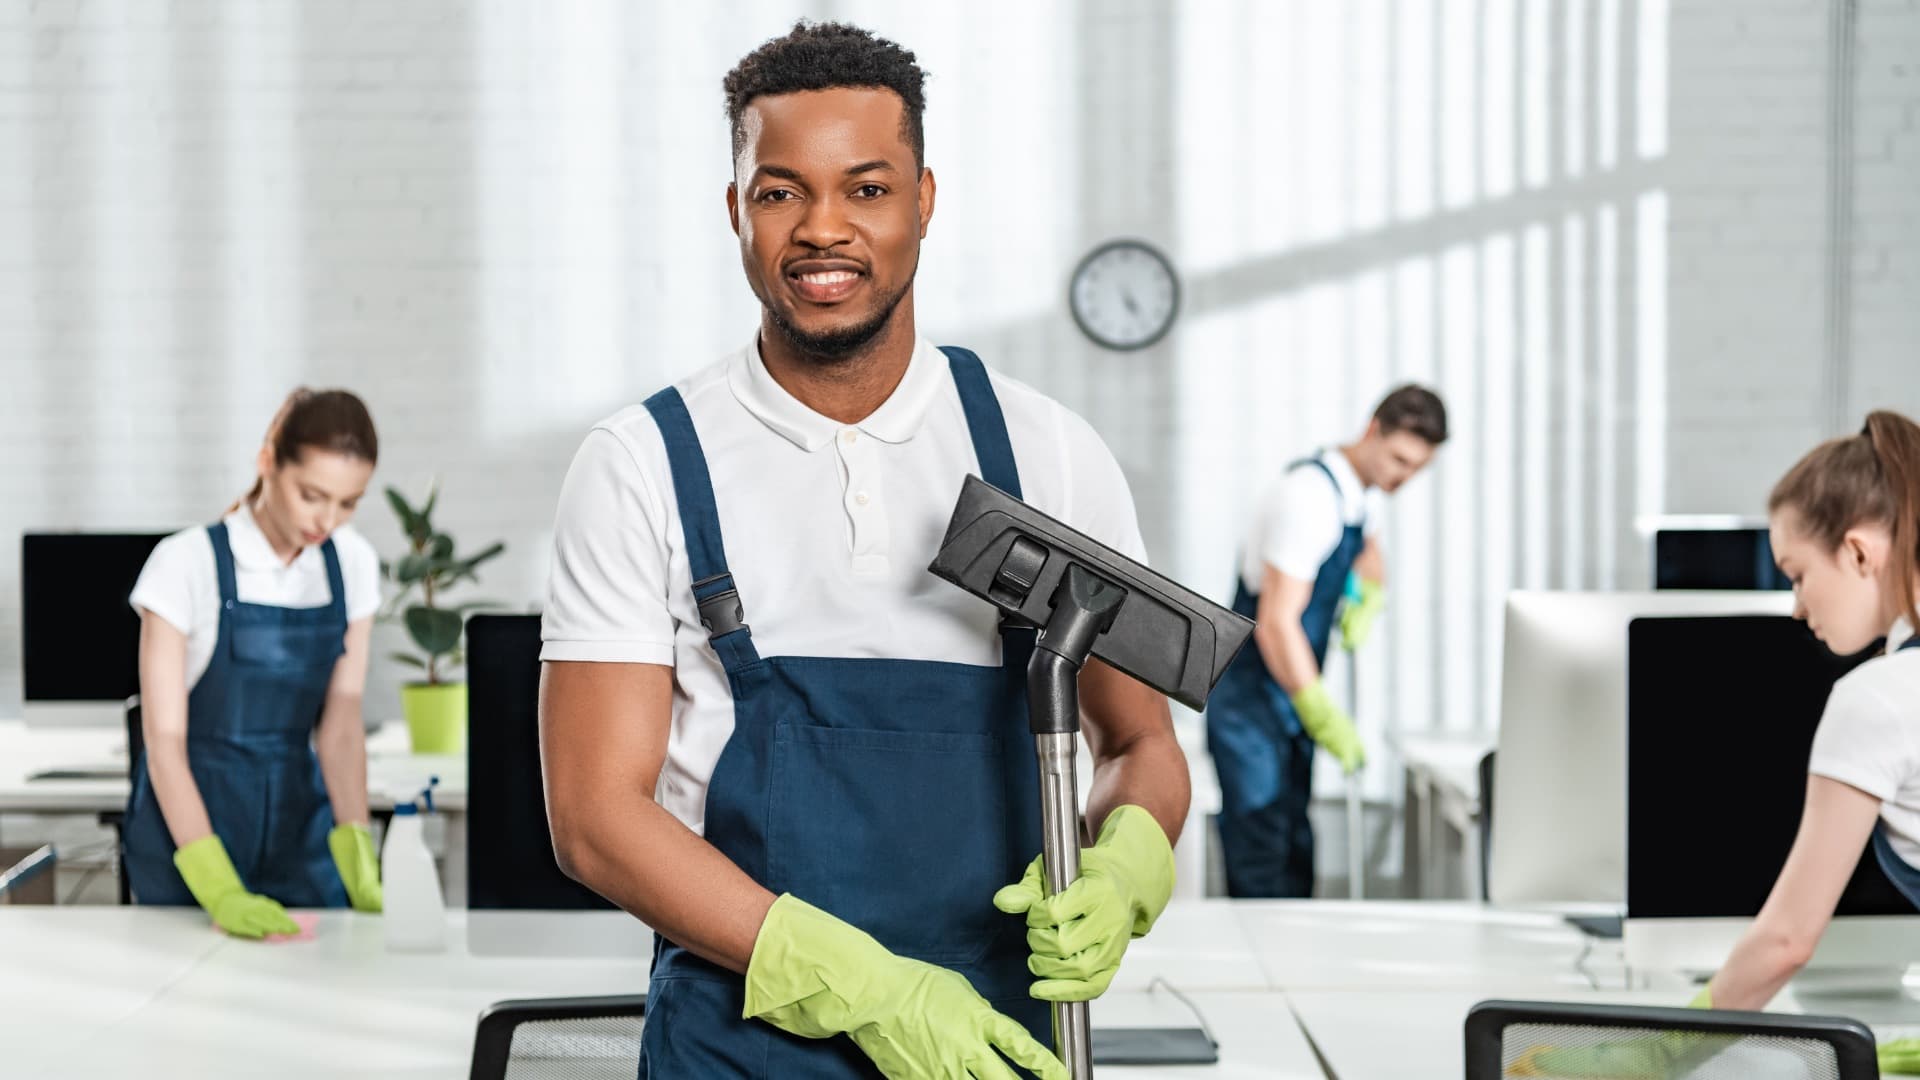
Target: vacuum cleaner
(1086, 600)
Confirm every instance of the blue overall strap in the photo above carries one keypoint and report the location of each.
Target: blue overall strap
(713, 590)
(223, 565)
(336, 581)
(985, 421)
(1912, 642)
(1339, 494)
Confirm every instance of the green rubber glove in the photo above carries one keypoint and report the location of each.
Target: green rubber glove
(1901, 1057)
(210, 875)
(1329, 725)
(353, 854)
(1643, 1057)
(1359, 612)
(1078, 937)
(816, 976)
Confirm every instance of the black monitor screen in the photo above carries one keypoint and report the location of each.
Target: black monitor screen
(1715, 559)
(510, 863)
(1721, 713)
(79, 641)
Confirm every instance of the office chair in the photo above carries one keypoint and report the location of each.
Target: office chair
(1485, 825)
(117, 819)
(36, 868)
(1527, 1038)
(584, 1038)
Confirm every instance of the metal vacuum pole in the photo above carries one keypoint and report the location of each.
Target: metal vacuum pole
(1083, 608)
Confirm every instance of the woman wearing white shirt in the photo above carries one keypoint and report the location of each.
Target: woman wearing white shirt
(252, 790)
(1845, 527)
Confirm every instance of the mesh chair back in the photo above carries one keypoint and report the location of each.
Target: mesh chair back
(1537, 1039)
(560, 1039)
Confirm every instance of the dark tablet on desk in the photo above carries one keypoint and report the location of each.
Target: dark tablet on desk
(104, 772)
(1153, 1046)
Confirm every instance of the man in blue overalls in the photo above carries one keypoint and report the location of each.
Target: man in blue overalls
(1309, 556)
(767, 731)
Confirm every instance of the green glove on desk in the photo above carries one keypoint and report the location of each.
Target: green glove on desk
(815, 976)
(1329, 725)
(1901, 1057)
(1363, 606)
(1632, 1057)
(210, 875)
(353, 854)
(1078, 936)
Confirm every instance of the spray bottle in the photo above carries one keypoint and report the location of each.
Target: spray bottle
(416, 914)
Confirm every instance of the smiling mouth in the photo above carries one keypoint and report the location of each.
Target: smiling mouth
(825, 286)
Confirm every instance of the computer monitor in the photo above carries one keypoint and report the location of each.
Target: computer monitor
(79, 641)
(1720, 719)
(1558, 830)
(1715, 557)
(513, 881)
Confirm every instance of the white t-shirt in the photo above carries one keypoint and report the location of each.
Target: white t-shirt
(828, 529)
(1869, 738)
(181, 584)
(1301, 518)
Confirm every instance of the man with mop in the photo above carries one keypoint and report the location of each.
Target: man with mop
(1271, 709)
(767, 731)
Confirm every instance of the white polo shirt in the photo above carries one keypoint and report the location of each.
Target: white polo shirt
(181, 584)
(1869, 738)
(828, 529)
(1300, 519)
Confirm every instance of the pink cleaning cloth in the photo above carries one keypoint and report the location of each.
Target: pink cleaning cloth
(306, 920)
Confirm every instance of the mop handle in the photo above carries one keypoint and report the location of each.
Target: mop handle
(1356, 839)
(1060, 854)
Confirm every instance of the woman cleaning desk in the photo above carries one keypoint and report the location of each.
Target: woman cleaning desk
(251, 792)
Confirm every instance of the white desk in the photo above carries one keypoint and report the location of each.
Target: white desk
(1382, 989)
(1347, 945)
(197, 1004)
(1396, 1035)
(1442, 791)
(1197, 945)
(393, 772)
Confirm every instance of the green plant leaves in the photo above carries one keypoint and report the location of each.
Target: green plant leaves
(435, 630)
(411, 569)
(412, 522)
(431, 567)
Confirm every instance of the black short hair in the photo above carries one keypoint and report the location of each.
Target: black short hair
(827, 56)
(1415, 409)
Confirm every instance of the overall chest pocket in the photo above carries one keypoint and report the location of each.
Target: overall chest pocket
(295, 646)
(902, 833)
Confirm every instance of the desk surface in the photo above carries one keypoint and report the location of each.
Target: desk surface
(1380, 988)
(158, 993)
(391, 769)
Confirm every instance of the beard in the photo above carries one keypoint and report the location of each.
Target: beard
(841, 344)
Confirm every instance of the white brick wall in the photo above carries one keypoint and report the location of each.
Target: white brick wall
(1599, 229)
(1748, 238)
(1886, 268)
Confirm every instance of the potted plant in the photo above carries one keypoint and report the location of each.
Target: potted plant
(435, 705)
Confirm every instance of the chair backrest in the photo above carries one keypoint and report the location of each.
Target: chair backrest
(136, 734)
(1526, 1038)
(510, 862)
(586, 1038)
